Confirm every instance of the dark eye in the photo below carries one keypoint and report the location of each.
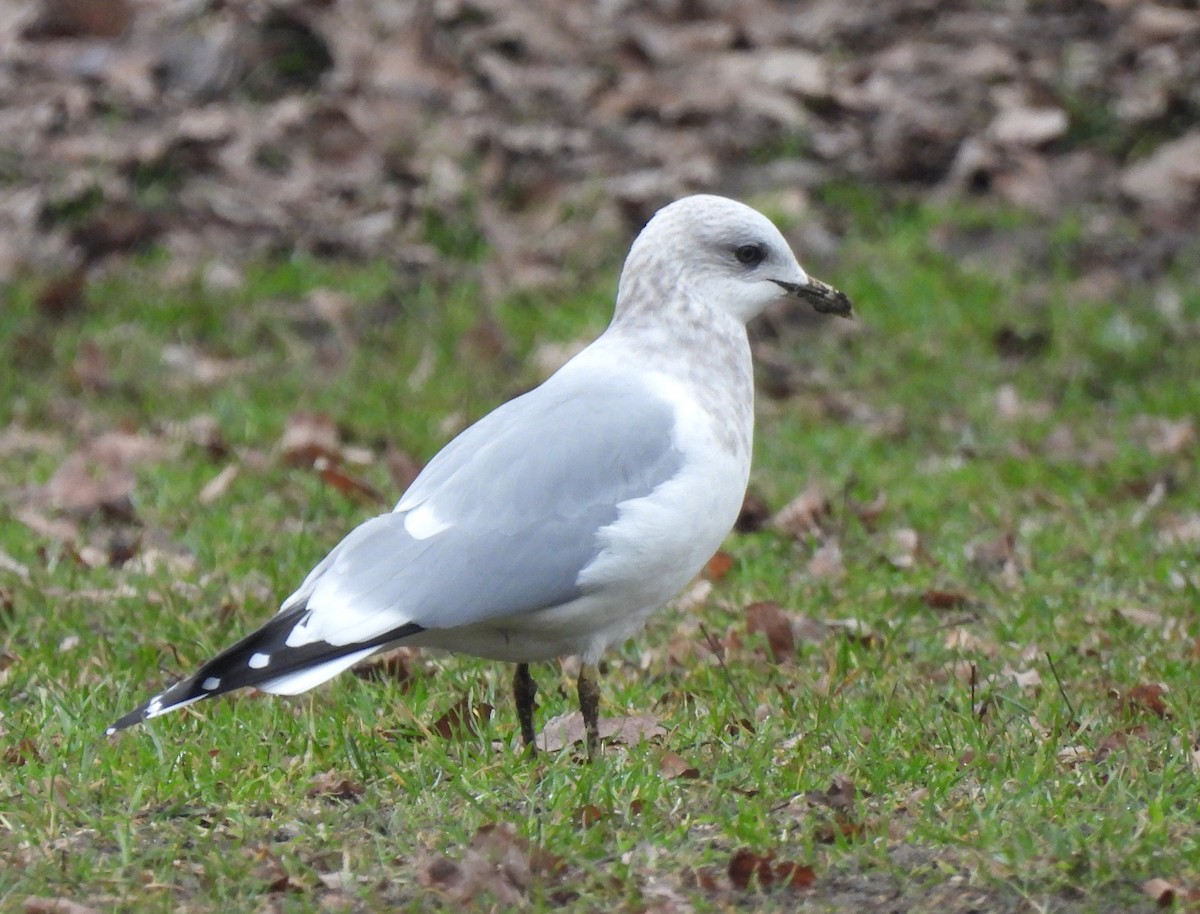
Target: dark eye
(750, 254)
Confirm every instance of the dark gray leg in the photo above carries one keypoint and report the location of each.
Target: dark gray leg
(524, 692)
(589, 706)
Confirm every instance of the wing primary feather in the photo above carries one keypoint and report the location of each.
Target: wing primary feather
(258, 658)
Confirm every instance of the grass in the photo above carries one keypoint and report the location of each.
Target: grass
(1063, 790)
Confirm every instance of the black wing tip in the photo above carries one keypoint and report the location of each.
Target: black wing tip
(129, 720)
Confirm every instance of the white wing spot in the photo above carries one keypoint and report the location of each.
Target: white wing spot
(212, 682)
(258, 661)
(422, 523)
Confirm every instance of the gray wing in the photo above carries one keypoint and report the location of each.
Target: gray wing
(502, 520)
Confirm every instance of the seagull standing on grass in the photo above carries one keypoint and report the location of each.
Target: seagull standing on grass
(556, 524)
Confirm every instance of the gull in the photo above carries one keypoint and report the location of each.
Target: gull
(556, 524)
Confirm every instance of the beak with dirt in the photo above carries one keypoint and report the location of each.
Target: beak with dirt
(824, 298)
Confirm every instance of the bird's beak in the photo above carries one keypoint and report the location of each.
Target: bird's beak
(823, 297)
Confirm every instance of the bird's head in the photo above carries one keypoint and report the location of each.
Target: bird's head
(726, 254)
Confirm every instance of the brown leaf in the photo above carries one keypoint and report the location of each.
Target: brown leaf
(673, 766)
(335, 786)
(839, 796)
(464, 718)
(1148, 697)
(589, 816)
(805, 515)
(826, 563)
(1116, 740)
(755, 513)
(769, 619)
(80, 18)
(869, 513)
(308, 436)
(22, 753)
(747, 868)
(62, 296)
(945, 599)
(568, 730)
(271, 871)
(1162, 891)
(353, 488)
(498, 865)
(395, 666)
(719, 566)
(99, 475)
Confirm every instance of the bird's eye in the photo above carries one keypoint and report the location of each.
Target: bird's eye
(750, 254)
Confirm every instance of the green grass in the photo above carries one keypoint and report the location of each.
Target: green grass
(1002, 796)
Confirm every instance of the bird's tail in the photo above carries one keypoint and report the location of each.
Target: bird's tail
(265, 660)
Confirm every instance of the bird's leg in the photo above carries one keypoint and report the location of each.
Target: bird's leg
(589, 705)
(524, 692)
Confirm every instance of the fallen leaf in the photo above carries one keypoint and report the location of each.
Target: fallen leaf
(352, 487)
(464, 718)
(748, 868)
(394, 666)
(755, 513)
(308, 436)
(589, 816)
(335, 786)
(21, 754)
(673, 766)
(568, 730)
(1148, 697)
(1162, 891)
(805, 515)
(63, 296)
(719, 566)
(945, 599)
(498, 865)
(826, 562)
(769, 619)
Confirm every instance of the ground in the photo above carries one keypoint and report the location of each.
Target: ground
(946, 663)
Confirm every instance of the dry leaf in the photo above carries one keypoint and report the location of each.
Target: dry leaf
(769, 619)
(568, 730)
(1148, 697)
(308, 436)
(746, 869)
(673, 766)
(826, 562)
(805, 515)
(352, 487)
(945, 599)
(1162, 891)
(464, 718)
(335, 786)
(719, 566)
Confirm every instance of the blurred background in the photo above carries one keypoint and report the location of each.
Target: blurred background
(519, 133)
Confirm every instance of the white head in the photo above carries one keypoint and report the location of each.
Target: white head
(725, 254)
